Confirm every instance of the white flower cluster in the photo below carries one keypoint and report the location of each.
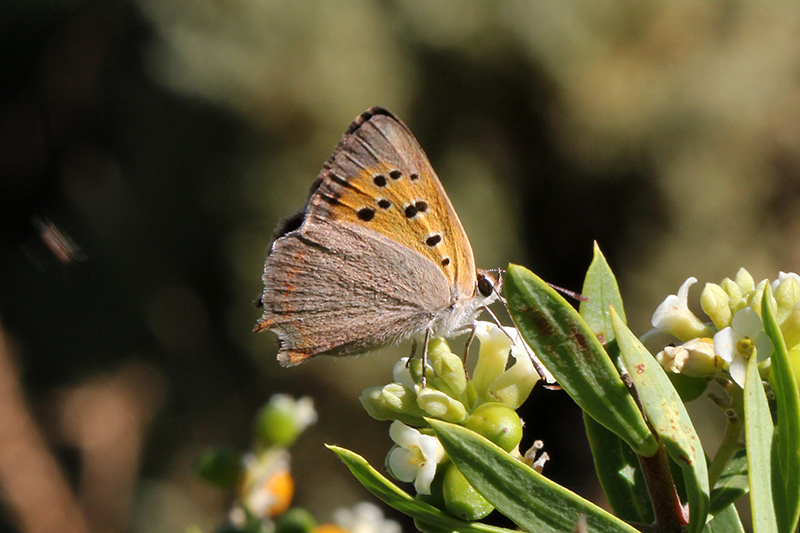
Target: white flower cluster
(736, 331)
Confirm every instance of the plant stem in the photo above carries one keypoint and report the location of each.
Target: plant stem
(731, 442)
(670, 517)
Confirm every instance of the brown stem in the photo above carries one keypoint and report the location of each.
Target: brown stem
(670, 517)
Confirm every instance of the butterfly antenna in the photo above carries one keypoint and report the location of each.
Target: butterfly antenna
(572, 294)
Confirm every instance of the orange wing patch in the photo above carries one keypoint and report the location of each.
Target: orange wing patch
(380, 178)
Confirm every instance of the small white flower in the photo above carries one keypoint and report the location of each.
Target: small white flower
(675, 317)
(735, 344)
(365, 517)
(494, 378)
(415, 457)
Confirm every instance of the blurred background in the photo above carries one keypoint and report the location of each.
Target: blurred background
(148, 148)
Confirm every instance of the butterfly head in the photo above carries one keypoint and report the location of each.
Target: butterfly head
(489, 284)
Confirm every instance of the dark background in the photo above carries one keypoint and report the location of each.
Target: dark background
(166, 139)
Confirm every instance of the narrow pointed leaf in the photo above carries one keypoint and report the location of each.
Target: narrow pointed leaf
(616, 464)
(528, 498)
(786, 481)
(759, 432)
(571, 352)
(669, 419)
(726, 521)
(397, 498)
(619, 473)
(600, 290)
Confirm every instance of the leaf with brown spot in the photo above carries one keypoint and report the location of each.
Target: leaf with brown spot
(569, 349)
(669, 419)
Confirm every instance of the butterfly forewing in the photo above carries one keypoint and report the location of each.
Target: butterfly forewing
(380, 178)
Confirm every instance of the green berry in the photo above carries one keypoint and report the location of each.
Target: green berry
(497, 422)
(461, 499)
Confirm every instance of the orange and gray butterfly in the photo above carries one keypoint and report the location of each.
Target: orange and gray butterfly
(376, 257)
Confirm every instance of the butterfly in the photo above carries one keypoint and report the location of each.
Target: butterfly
(377, 255)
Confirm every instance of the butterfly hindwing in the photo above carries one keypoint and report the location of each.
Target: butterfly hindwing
(332, 289)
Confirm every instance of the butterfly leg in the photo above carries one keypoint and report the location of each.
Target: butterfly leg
(473, 329)
(536, 364)
(413, 353)
(425, 357)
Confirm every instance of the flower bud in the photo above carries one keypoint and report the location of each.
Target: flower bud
(787, 294)
(794, 362)
(736, 300)
(393, 402)
(439, 405)
(744, 280)
(756, 295)
(498, 423)
(282, 419)
(791, 328)
(461, 499)
(450, 377)
(733, 291)
(716, 304)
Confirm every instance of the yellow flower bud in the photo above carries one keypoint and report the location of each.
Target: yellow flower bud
(787, 294)
(715, 303)
(744, 280)
(736, 296)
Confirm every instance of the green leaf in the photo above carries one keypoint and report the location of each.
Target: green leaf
(732, 484)
(619, 473)
(528, 498)
(786, 481)
(669, 419)
(600, 290)
(397, 498)
(758, 432)
(727, 521)
(617, 465)
(569, 349)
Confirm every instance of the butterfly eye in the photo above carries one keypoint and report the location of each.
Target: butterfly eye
(485, 286)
